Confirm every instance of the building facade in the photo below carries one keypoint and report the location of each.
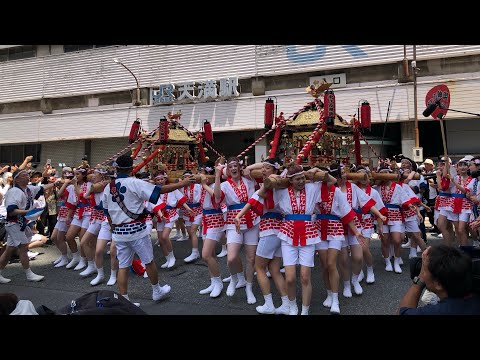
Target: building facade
(63, 101)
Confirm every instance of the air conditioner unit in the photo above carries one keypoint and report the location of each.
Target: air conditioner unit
(418, 154)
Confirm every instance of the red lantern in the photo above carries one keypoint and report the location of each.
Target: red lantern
(207, 129)
(134, 132)
(163, 130)
(365, 115)
(329, 107)
(269, 113)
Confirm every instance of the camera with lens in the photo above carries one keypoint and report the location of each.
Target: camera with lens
(473, 251)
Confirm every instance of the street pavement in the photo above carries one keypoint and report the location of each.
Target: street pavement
(61, 286)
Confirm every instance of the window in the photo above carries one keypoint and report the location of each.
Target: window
(71, 48)
(17, 52)
(10, 154)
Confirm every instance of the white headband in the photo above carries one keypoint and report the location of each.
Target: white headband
(21, 171)
(79, 170)
(208, 168)
(276, 165)
(100, 171)
(160, 176)
(240, 162)
(299, 173)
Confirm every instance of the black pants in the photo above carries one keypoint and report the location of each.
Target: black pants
(422, 225)
(51, 221)
(431, 214)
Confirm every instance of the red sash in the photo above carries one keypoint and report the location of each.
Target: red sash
(299, 234)
(326, 208)
(242, 195)
(269, 203)
(458, 202)
(348, 185)
(82, 200)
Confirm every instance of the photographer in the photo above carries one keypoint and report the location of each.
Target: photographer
(446, 271)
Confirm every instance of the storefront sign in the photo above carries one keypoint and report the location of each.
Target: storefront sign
(195, 91)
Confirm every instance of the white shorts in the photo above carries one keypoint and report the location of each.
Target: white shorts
(400, 228)
(196, 220)
(94, 228)
(36, 237)
(411, 226)
(16, 237)
(269, 246)
(350, 240)
(247, 237)
(329, 244)
(436, 214)
(298, 255)
(367, 233)
(84, 223)
(105, 232)
(127, 249)
(149, 226)
(213, 234)
(61, 225)
(451, 216)
(162, 225)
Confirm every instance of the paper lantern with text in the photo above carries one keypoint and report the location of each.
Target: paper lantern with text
(269, 113)
(163, 130)
(329, 107)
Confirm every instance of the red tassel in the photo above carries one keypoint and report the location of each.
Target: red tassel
(134, 132)
(207, 128)
(201, 153)
(276, 138)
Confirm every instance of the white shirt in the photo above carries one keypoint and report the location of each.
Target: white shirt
(134, 193)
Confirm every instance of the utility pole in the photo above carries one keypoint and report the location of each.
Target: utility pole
(415, 104)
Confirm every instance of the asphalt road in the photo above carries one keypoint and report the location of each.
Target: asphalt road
(60, 286)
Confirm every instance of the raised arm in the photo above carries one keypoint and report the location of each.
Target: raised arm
(171, 187)
(217, 188)
(25, 162)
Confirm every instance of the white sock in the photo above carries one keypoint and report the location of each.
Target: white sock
(369, 269)
(413, 251)
(268, 300)
(334, 297)
(170, 255)
(100, 271)
(156, 288)
(251, 299)
(113, 274)
(305, 309)
(224, 247)
(329, 292)
(293, 302)
(285, 300)
(76, 255)
(195, 251)
(241, 277)
(126, 297)
(91, 264)
(346, 284)
(354, 278)
(28, 271)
